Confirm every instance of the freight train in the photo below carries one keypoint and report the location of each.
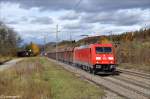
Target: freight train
(95, 58)
(25, 53)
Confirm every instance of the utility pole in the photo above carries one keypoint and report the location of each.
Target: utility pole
(44, 44)
(145, 27)
(111, 34)
(57, 42)
(70, 37)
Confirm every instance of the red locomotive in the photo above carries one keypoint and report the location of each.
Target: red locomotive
(94, 57)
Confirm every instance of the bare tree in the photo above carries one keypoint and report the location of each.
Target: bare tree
(9, 40)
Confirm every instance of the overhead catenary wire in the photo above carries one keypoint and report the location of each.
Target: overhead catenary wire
(77, 4)
(73, 8)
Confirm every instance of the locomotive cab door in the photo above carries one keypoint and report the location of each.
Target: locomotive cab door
(90, 58)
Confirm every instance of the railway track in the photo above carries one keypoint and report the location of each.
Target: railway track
(122, 86)
(132, 81)
(130, 86)
(134, 73)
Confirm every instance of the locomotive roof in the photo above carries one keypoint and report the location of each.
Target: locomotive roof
(88, 46)
(109, 45)
(66, 49)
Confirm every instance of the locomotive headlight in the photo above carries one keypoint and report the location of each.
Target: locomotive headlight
(98, 58)
(111, 58)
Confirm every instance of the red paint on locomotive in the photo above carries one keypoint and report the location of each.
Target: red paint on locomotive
(97, 57)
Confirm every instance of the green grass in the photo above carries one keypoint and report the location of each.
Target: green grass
(38, 78)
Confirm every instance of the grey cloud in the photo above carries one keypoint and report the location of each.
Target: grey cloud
(78, 26)
(113, 17)
(24, 18)
(128, 20)
(70, 16)
(42, 20)
(45, 4)
(11, 22)
(111, 5)
(85, 5)
(39, 38)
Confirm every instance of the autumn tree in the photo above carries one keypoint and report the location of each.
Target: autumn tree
(33, 48)
(104, 40)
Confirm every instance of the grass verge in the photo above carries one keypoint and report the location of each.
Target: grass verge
(138, 67)
(38, 78)
(4, 59)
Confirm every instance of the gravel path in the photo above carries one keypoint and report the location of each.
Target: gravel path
(135, 80)
(9, 64)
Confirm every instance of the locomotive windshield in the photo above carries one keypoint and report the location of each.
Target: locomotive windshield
(103, 49)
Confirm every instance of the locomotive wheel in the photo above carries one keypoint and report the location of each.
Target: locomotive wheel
(88, 69)
(93, 71)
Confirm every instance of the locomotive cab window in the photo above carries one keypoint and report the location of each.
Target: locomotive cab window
(103, 50)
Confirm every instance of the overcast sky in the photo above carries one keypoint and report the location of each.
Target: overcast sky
(33, 19)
